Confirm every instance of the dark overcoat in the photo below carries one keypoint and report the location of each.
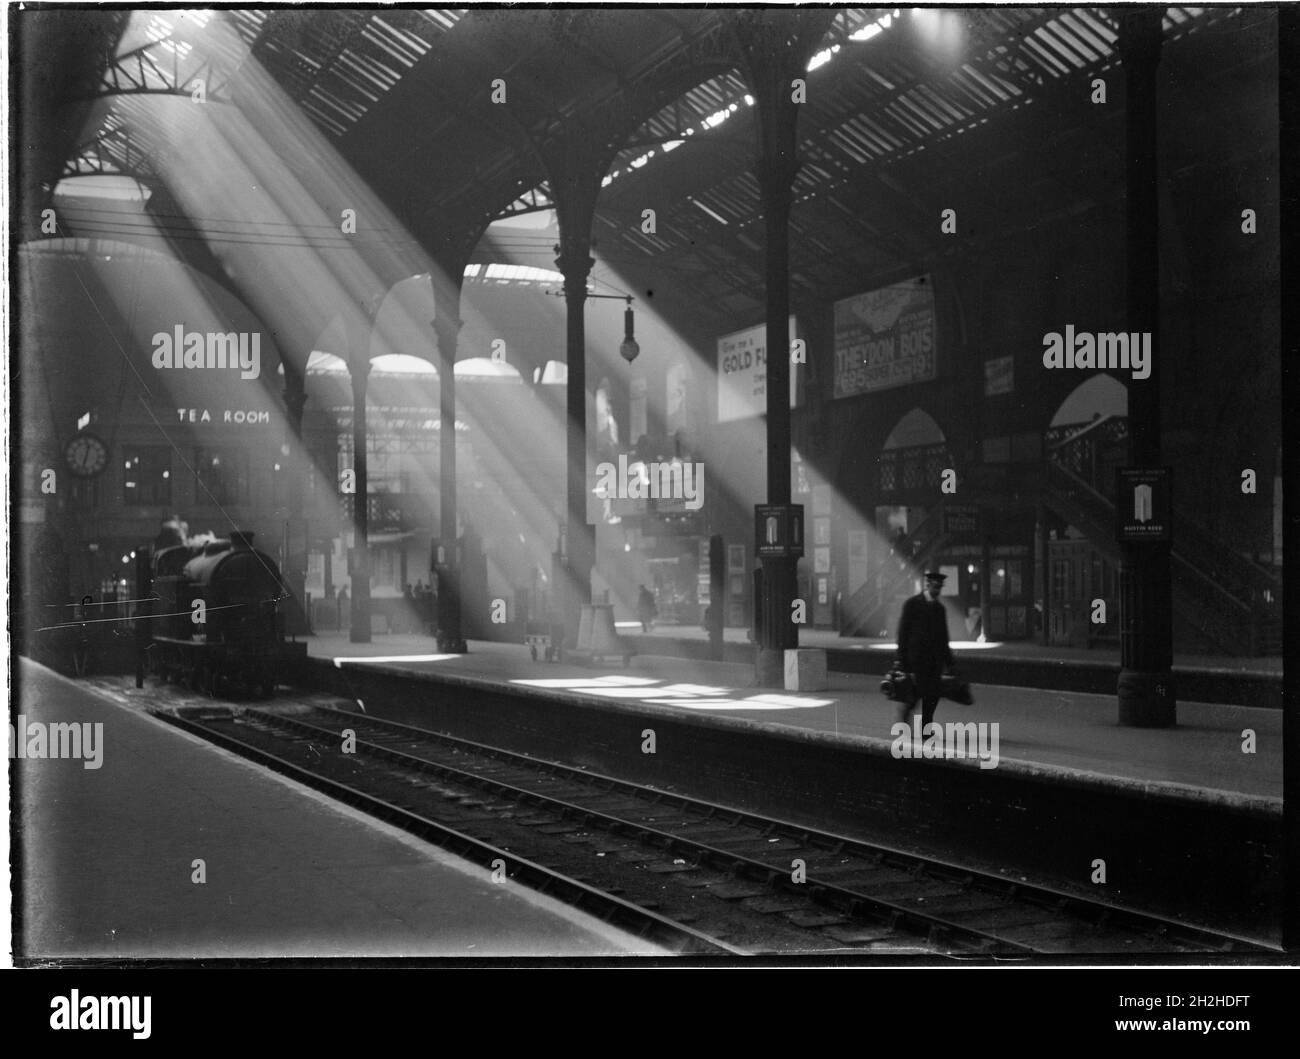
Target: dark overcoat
(923, 643)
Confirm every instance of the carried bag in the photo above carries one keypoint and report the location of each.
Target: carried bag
(897, 686)
(957, 688)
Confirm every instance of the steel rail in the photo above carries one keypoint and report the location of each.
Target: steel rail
(605, 906)
(820, 891)
(1088, 910)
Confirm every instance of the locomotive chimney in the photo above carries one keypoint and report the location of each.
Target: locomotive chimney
(241, 541)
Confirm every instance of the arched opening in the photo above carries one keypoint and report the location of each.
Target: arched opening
(1085, 443)
(912, 461)
(884, 567)
(1102, 395)
(1088, 435)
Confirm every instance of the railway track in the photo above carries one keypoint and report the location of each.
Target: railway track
(692, 876)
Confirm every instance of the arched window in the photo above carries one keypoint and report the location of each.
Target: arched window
(1089, 433)
(914, 455)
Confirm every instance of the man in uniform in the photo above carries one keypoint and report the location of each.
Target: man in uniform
(923, 649)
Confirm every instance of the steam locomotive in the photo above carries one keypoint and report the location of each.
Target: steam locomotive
(215, 620)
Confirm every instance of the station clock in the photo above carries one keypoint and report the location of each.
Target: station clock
(86, 455)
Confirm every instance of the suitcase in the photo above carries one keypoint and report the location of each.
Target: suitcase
(897, 686)
(957, 688)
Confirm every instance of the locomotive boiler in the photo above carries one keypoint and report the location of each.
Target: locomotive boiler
(216, 620)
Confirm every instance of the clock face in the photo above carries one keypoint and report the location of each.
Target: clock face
(86, 455)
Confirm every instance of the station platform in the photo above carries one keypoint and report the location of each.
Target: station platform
(1073, 732)
(1019, 650)
(1233, 680)
(1225, 679)
(1185, 821)
(107, 860)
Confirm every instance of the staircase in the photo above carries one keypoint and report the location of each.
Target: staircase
(1234, 603)
(863, 613)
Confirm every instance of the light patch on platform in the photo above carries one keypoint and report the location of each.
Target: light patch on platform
(758, 702)
(693, 696)
(394, 658)
(691, 689)
(956, 645)
(785, 702)
(581, 683)
(614, 693)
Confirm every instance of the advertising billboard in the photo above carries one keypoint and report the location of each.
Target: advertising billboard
(885, 338)
(742, 373)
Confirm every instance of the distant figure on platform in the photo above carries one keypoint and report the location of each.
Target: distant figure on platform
(424, 606)
(410, 618)
(923, 649)
(344, 611)
(646, 611)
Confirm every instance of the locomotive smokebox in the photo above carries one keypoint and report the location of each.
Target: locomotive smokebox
(241, 541)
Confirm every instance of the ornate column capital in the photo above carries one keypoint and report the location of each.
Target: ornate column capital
(576, 263)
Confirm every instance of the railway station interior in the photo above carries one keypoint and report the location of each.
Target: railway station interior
(587, 352)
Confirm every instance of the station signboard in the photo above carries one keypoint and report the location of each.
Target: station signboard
(778, 531)
(1143, 504)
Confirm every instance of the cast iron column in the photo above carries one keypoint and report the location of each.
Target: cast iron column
(773, 54)
(294, 466)
(778, 632)
(360, 602)
(1146, 691)
(1045, 573)
(1289, 173)
(575, 262)
(450, 639)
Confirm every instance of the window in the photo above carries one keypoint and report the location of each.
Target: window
(888, 474)
(913, 471)
(384, 568)
(146, 476)
(997, 450)
(1062, 588)
(387, 462)
(222, 476)
(1103, 578)
(1006, 578)
(85, 492)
